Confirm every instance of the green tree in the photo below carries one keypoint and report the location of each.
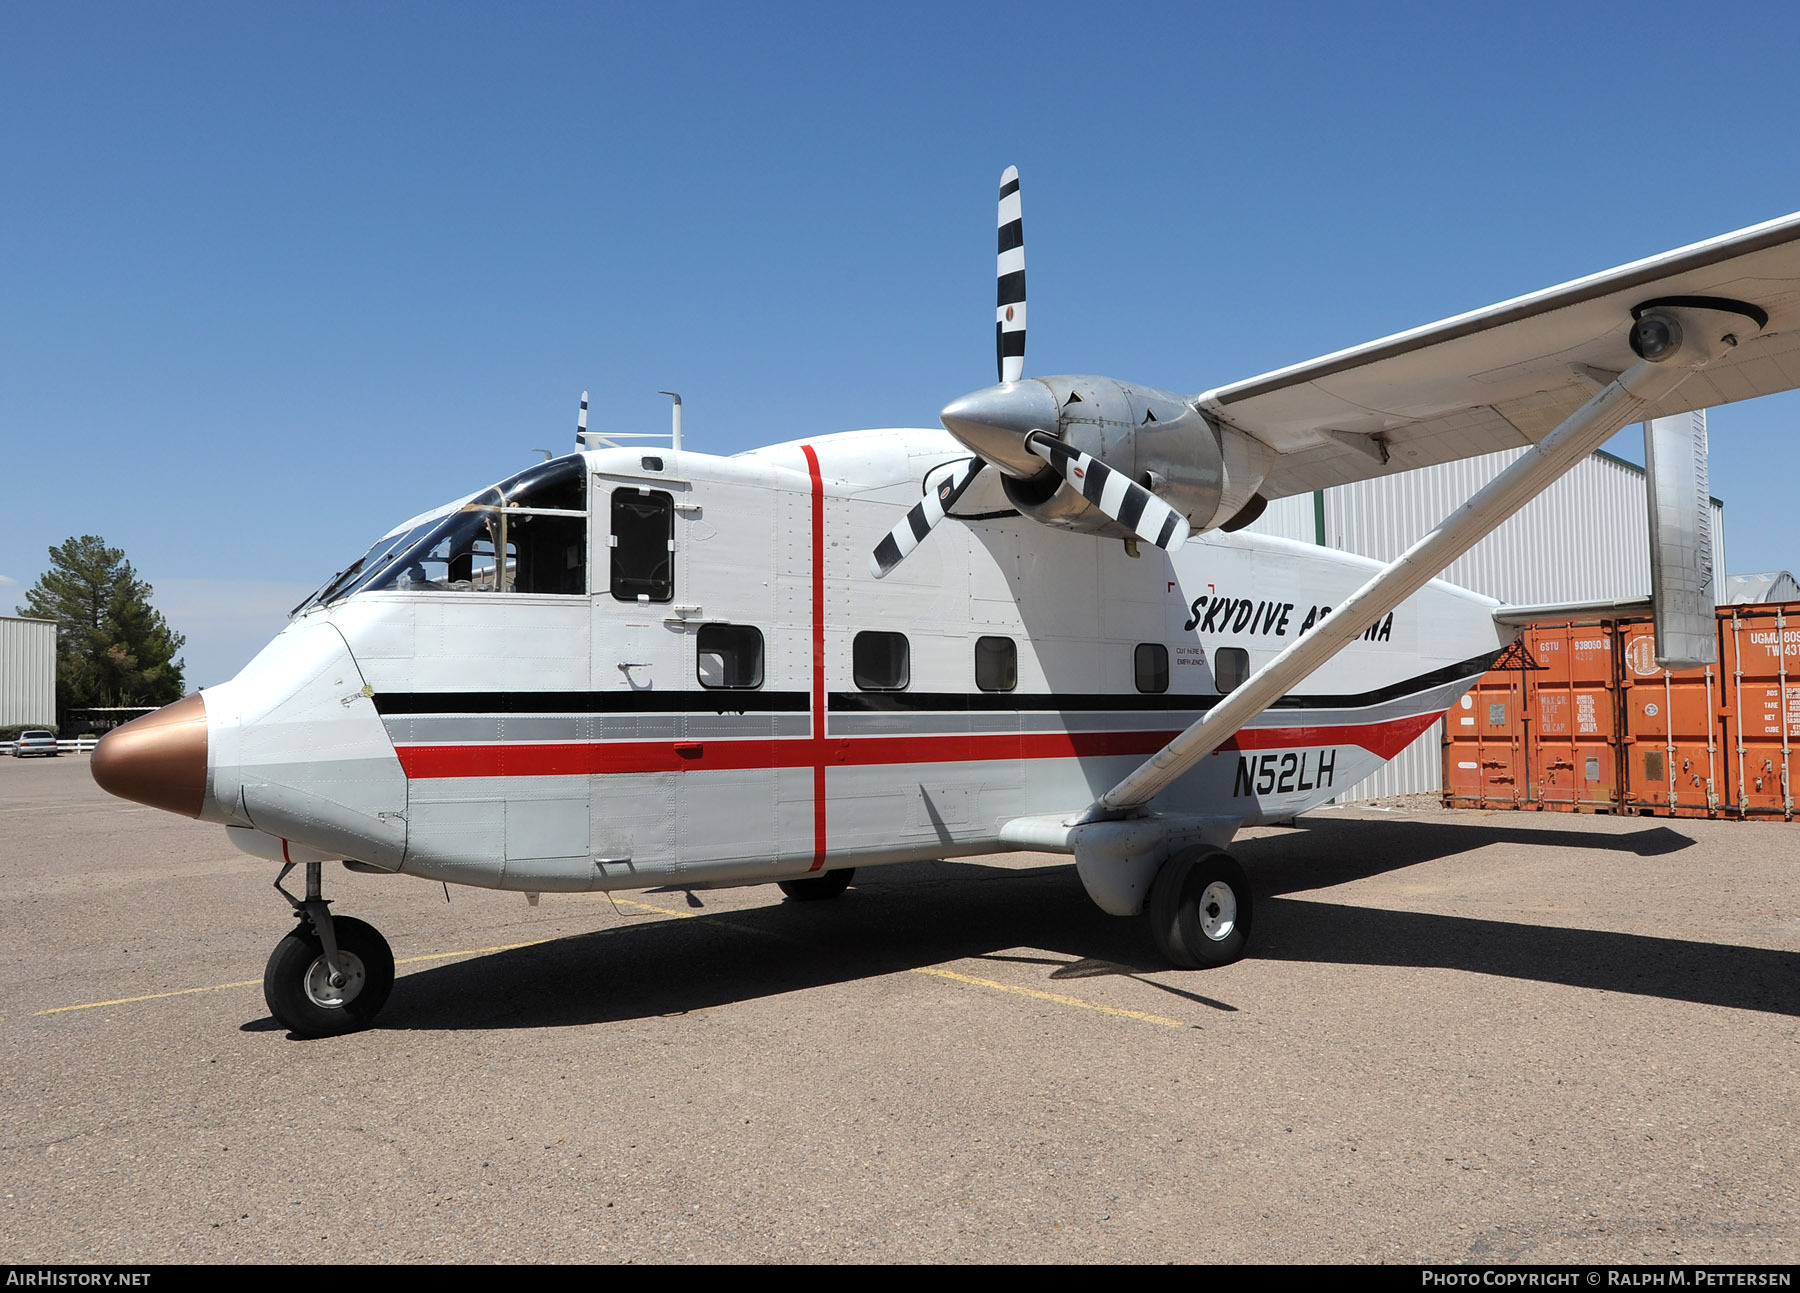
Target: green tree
(114, 648)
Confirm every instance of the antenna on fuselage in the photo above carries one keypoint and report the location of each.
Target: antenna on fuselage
(675, 433)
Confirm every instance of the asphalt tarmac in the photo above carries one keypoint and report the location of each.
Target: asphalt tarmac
(1486, 1037)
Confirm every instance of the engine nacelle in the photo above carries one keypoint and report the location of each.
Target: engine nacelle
(1207, 471)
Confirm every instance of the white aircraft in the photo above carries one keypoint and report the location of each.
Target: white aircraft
(622, 669)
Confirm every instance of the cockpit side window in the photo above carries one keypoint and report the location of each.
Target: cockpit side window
(549, 553)
(643, 545)
(526, 535)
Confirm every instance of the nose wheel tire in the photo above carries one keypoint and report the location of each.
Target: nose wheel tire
(815, 888)
(1200, 909)
(298, 983)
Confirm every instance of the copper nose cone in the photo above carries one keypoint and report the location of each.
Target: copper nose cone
(159, 759)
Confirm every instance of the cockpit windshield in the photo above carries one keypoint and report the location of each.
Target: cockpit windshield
(528, 534)
(382, 551)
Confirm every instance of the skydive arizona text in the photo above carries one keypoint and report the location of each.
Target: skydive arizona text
(1268, 619)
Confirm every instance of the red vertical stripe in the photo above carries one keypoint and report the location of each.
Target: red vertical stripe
(818, 654)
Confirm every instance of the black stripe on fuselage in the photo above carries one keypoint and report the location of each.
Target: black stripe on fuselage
(787, 702)
(1075, 702)
(696, 701)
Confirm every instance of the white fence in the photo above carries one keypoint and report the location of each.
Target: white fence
(71, 745)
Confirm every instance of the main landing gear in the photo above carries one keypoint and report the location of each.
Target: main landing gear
(1200, 909)
(332, 974)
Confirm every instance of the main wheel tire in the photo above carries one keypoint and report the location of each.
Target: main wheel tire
(1200, 909)
(816, 888)
(297, 981)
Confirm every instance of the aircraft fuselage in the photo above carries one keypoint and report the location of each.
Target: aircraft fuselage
(757, 706)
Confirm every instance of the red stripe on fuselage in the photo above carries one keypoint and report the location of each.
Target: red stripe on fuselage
(1385, 739)
(818, 653)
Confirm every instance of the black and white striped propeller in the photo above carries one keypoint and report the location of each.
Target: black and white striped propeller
(1009, 275)
(1113, 492)
(1009, 358)
(921, 517)
(1011, 410)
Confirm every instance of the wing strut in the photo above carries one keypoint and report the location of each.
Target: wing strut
(1675, 342)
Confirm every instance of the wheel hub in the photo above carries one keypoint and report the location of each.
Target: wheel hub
(334, 996)
(1218, 911)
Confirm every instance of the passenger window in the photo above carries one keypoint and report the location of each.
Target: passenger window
(643, 547)
(729, 655)
(881, 661)
(996, 664)
(1150, 666)
(1231, 665)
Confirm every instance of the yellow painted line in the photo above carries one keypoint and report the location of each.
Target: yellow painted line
(149, 996)
(471, 951)
(1057, 997)
(650, 906)
(410, 960)
(248, 983)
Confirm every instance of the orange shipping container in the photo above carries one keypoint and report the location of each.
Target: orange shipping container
(1484, 746)
(1579, 717)
(1760, 659)
(1671, 732)
(1573, 754)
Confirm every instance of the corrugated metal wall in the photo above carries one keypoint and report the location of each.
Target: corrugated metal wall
(1583, 539)
(1290, 518)
(27, 671)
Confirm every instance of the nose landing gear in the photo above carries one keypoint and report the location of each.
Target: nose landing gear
(330, 975)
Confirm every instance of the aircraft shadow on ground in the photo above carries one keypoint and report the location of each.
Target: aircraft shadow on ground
(1328, 851)
(924, 914)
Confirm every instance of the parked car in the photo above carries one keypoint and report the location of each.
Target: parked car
(35, 743)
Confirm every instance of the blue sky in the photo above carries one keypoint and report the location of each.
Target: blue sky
(275, 277)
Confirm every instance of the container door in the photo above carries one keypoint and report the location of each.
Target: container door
(1760, 662)
(1671, 726)
(1484, 751)
(1574, 703)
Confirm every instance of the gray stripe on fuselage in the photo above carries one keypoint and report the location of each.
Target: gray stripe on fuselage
(459, 729)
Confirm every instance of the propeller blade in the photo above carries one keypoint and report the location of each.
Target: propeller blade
(1009, 312)
(1113, 492)
(920, 517)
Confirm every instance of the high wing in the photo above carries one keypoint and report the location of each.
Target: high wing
(1507, 375)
